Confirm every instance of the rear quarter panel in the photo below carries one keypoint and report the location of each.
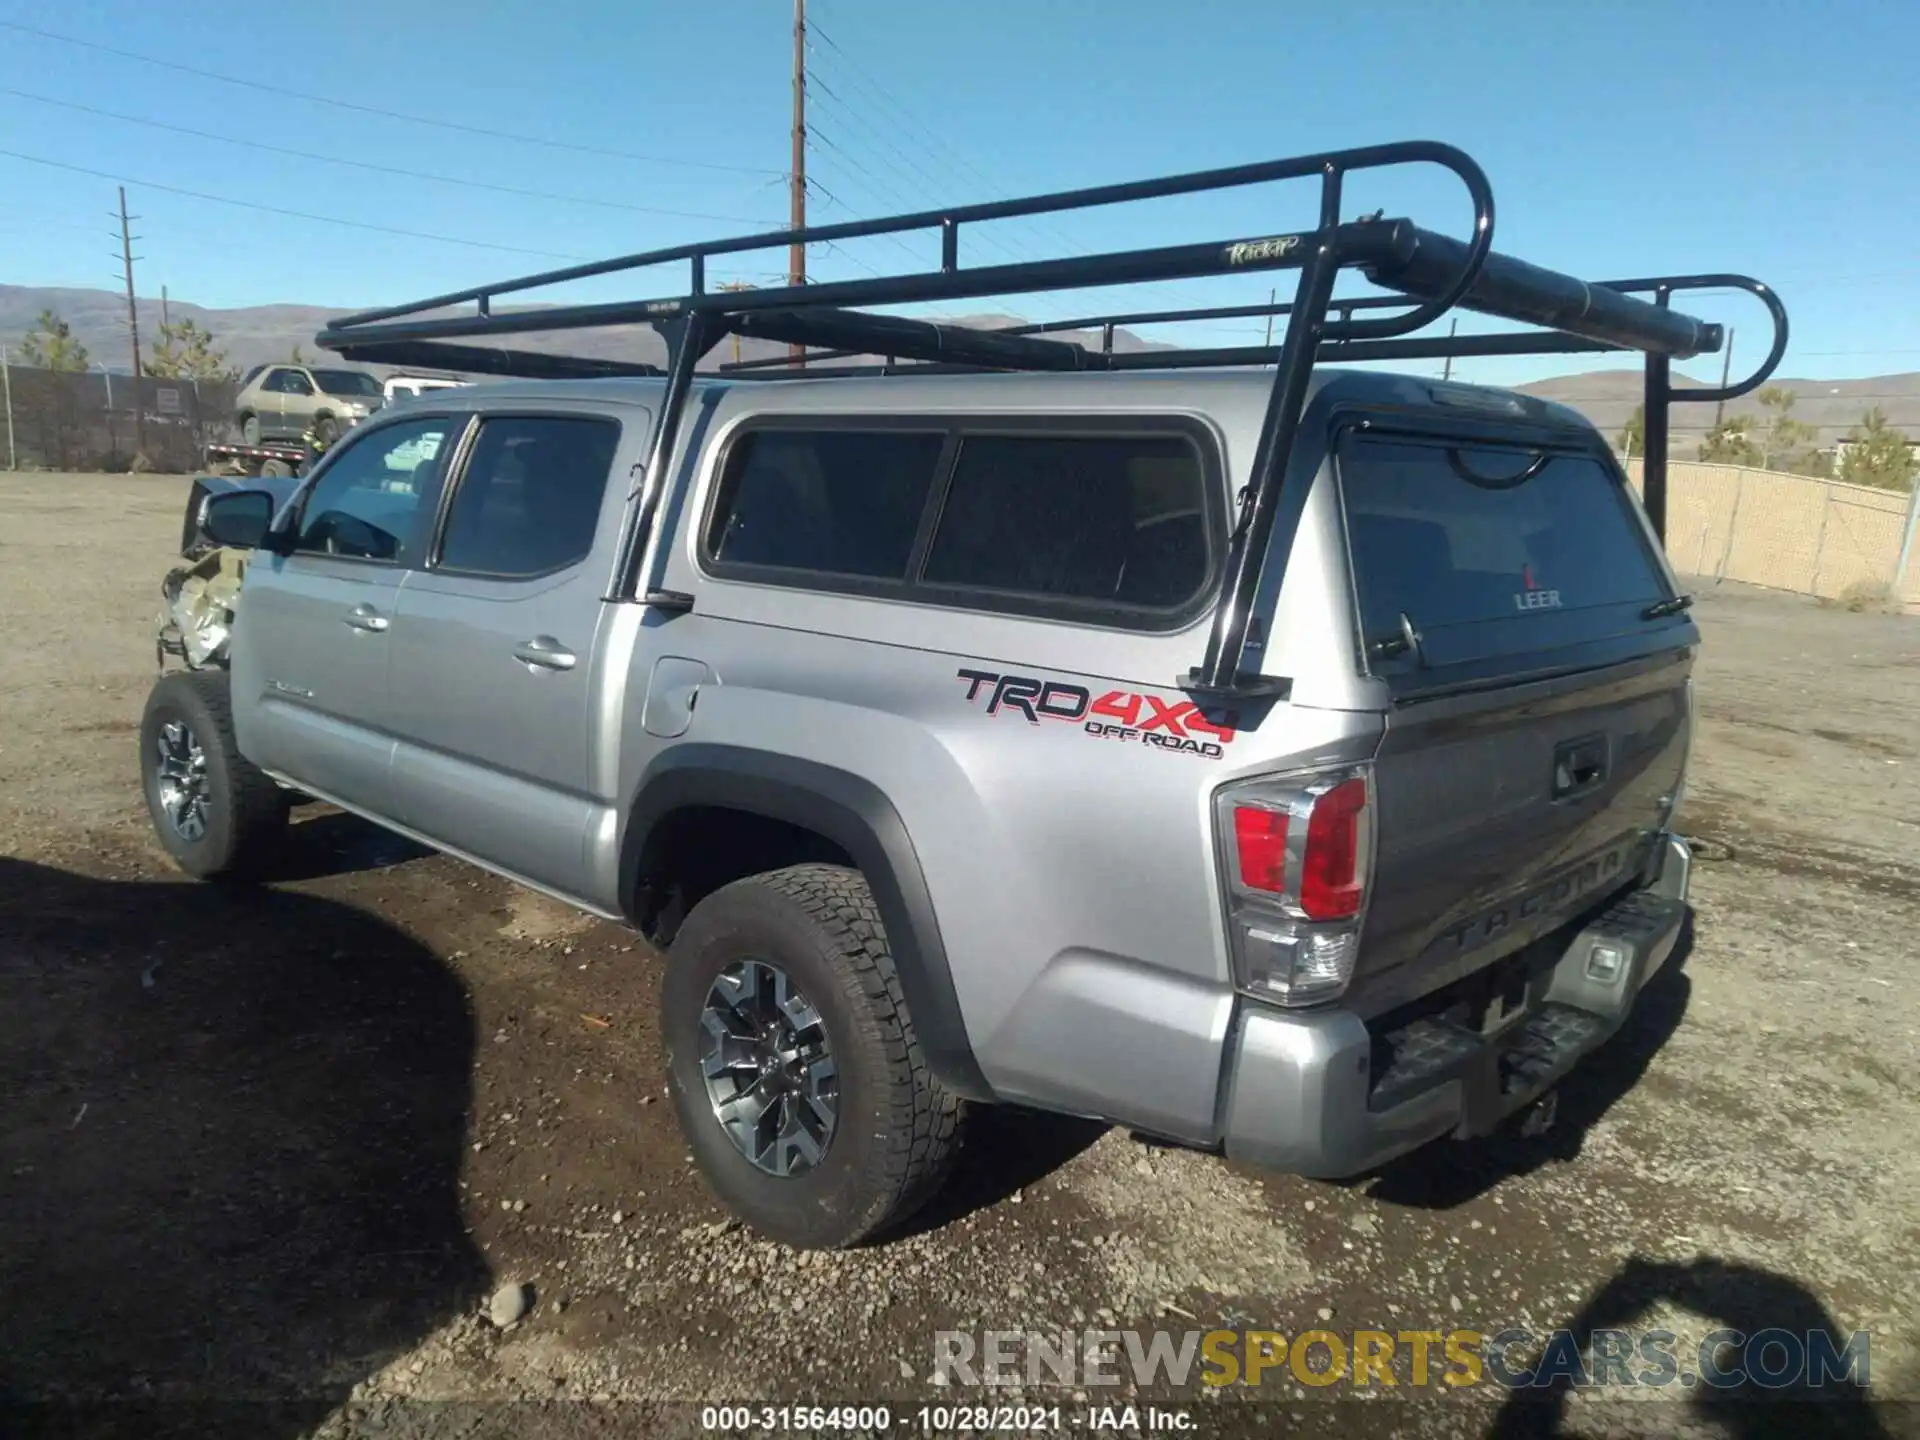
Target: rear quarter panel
(1072, 872)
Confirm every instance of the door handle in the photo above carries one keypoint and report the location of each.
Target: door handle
(1579, 766)
(365, 617)
(546, 652)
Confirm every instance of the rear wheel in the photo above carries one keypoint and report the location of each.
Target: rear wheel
(214, 811)
(793, 1063)
(250, 429)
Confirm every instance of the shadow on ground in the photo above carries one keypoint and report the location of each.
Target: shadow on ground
(1006, 1148)
(1743, 1301)
(1439, 1177)
(325, 841)
(230, 1156)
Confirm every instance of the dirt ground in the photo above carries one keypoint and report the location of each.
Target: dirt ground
(267, 1153)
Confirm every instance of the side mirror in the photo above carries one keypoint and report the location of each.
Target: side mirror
(238, 521)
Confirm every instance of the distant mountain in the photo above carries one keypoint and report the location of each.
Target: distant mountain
(263, 333)
(1832, 407)
(250, 336)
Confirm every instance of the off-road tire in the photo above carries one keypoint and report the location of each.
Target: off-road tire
(896, 1131)
(249, 429)
(246, 812)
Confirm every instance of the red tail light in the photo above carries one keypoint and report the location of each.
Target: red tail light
(1322, 873)
(1296, 853)
(1260, 845)
(1332, 872)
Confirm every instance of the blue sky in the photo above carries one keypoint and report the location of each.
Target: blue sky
(1622, 138)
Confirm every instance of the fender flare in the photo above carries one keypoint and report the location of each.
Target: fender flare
(859, 818)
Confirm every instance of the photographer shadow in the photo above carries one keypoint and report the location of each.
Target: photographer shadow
(1441, 1177)
(1732, 1295)
(229, 1169)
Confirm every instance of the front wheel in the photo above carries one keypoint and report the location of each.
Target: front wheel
(250, 429)
(793, 1064)
(215, 812)
(326, 430)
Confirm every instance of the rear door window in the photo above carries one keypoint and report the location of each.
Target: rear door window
(529, 501)
(825, 502)
(1487, 550)
(1115, 520)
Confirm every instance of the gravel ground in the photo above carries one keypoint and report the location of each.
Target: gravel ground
(272, 1153)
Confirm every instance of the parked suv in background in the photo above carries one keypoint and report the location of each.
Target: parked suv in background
(286, 402)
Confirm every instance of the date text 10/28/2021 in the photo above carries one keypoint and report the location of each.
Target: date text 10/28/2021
(948, 1419)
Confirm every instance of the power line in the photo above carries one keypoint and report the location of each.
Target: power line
(930, 188)
(283, 92)
(293, 214)
(381, 169)
(856, 74)
(834, 249)
(880, 140)
(1007, 246)
(880, 187)
(874, 87)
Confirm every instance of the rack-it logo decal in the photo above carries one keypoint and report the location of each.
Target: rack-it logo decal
(1252, 252)
(1148, 720)
(1534, 596)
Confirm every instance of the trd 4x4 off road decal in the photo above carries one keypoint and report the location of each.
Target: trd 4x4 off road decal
(1117, 715)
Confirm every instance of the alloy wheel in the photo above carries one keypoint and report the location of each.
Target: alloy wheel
(769, 1070)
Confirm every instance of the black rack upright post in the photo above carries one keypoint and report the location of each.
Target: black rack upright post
(1653, 420)
(688, 338)
(1219, 671)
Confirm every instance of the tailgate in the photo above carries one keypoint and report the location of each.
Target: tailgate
(1539, 731)
(1503, 816)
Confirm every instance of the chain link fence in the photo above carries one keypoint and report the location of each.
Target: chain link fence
(99, 421)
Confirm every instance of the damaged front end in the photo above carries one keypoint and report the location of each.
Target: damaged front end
(195, 624)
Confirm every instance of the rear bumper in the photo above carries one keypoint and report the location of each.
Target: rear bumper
(1319, 1093)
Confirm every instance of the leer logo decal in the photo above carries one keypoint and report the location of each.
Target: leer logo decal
(1532, 596)
(1124, 715)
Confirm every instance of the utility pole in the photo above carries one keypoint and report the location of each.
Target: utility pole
(1446, 371)
(1273, 298)
(797, 177)
(6, 375)
(1726, 369)
(133, 328)
(166, 319)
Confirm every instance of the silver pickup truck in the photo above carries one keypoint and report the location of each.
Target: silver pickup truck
(873, 698)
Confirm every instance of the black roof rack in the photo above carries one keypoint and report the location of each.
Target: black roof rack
(1429, 274)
